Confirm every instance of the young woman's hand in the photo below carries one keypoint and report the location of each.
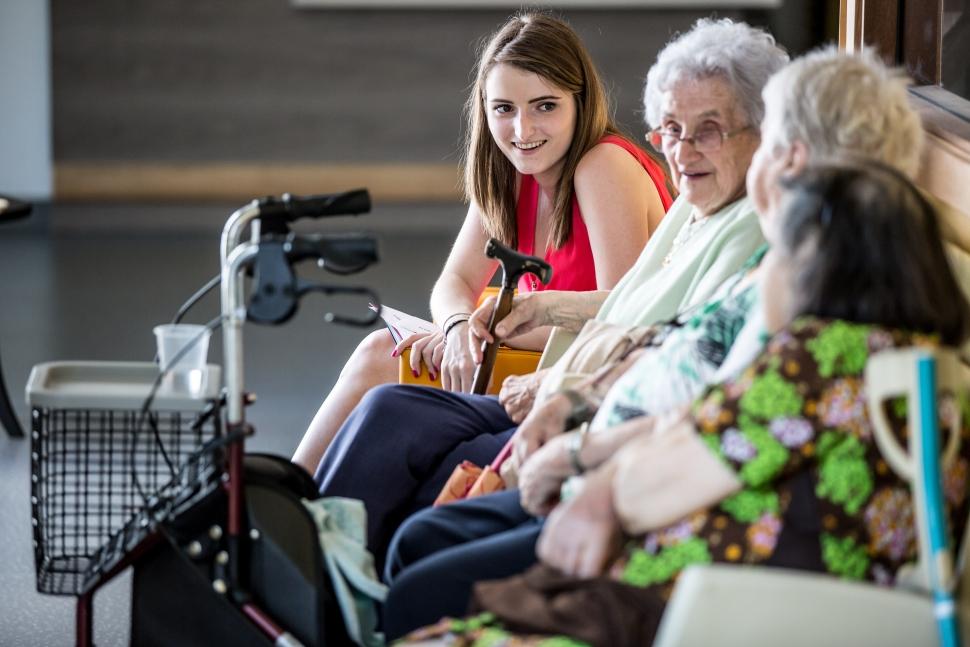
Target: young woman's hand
(583, 535)
(426, 349)
(457, 364)
(542, 476)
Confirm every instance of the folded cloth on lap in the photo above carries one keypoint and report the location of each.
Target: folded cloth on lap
(600, 611)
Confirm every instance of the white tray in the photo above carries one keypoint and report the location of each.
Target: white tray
(117, 385)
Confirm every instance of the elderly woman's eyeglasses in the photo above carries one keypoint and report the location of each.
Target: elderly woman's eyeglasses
(707, 139)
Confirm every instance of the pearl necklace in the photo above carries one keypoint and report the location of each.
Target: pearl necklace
(690, 228)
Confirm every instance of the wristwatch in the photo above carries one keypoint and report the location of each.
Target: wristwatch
(581, 410)
(574, 445)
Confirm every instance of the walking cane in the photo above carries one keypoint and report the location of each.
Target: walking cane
(514, 265)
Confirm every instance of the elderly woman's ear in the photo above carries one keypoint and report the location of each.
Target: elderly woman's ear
(796, 158)
(772, 163)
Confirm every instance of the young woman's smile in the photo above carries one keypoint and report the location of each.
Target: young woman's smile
(531, 121)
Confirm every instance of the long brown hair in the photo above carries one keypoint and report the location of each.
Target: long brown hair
(538, 43)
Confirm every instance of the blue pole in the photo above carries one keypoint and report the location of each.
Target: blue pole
(944, 607)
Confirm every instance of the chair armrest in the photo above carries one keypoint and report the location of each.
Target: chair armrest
(510, 361)
(559, 342)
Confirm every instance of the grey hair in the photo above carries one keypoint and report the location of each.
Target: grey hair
(841, 105)
(742, 55)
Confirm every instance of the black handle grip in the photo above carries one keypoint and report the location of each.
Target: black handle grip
(294, 207)
(515, 264)
(340, 254)
(11, 209)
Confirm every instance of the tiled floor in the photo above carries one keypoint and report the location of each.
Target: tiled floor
(73, 297)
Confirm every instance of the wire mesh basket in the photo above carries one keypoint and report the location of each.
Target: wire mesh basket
(103, 471)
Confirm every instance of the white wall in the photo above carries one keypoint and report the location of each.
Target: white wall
(25, 104)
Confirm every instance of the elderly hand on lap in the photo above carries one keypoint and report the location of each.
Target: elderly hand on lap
(583, 535)
(518, 394)
(655, 480)
(542, 476)
(543, 423)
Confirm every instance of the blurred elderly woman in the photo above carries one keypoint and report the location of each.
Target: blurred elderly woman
(820, 111)
(779, 467)
(495, 536)
(399, 446)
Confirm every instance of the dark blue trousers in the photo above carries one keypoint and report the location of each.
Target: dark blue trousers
(400, 445)
(438, 555)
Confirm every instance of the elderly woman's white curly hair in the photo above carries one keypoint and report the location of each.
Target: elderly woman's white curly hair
(743, 56)
(841, 104)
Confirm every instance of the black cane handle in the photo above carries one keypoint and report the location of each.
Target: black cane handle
(490, 350)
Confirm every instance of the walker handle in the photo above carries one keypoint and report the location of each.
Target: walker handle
(294, 207)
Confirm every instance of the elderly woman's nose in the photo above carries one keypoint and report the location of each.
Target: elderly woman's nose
(683, 151)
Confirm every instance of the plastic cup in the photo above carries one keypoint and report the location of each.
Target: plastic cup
(187, 372)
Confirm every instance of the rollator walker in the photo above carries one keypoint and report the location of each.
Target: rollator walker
(132, 470)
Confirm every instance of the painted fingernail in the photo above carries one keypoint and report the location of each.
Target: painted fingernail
(415, 373)
(432, 376)
(394, 353)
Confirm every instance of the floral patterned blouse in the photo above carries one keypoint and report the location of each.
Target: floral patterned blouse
(817, 494)
(675, 371)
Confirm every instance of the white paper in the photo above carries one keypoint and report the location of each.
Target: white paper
(402, 325)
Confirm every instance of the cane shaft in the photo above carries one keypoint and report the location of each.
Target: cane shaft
(490, 350)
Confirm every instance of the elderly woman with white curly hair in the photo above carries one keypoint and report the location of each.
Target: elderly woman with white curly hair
(399, 446)
(490, 537)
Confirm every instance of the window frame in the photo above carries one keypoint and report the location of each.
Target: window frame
(909, 33)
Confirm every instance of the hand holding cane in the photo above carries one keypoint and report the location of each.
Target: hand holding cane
(514, 265)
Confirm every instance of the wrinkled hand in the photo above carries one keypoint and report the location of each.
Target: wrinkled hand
(582, 536)
(542, 476)
(518, 394)
(457, 364)
(543, 423)
(529, 311)
(426, 350)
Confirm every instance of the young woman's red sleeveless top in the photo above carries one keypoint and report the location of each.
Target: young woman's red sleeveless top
(573, 267)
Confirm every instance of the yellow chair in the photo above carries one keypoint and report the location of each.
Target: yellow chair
(510, 361)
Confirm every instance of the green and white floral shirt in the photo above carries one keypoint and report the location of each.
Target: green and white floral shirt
(677, 370)
(795, 428)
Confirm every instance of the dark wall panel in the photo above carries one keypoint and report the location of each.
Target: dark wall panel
(256, 80)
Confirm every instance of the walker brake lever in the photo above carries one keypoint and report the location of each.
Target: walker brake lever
(276, 288)
(362, 322)
(339, 254)
(274, 295)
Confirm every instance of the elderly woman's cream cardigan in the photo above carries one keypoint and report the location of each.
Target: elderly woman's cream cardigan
(651, 292)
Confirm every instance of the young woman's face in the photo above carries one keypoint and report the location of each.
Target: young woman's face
(531, 120)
